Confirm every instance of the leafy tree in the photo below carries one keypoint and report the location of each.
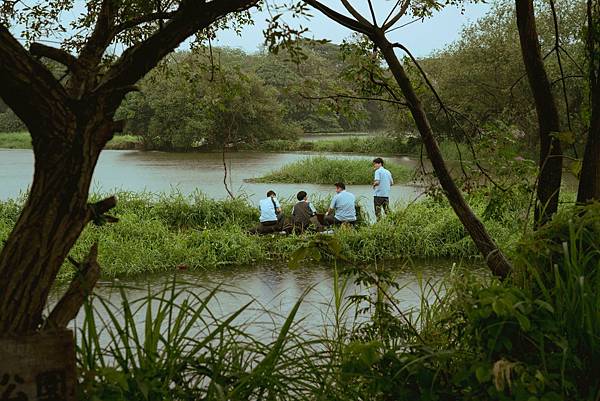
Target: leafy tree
(194, 102)
(70, 120)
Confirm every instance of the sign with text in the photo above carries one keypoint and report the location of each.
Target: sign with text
(38, 367)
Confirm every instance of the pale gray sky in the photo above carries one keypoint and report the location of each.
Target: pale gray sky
(420, 37)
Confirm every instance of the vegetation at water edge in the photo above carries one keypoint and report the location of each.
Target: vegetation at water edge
(324, 170)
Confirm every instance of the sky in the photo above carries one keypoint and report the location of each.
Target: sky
(420, 37)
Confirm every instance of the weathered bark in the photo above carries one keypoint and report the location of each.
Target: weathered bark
(494, 257)
(551, 160)
(589, 181)
(69, 126)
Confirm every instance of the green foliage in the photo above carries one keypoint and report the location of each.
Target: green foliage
(379, 145)
(183, 350)
(165, 232)
(323, 170)
(22, 140)
(480, 75)
(190, 104)
(9, 122)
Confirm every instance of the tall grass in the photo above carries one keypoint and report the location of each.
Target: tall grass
(22, 140)
(170, 345)
(165, 232)
(324, 170)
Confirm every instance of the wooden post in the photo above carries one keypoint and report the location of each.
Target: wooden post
(38, 367)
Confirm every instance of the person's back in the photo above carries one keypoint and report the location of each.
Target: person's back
(344, 205)
(384, 177)
(302, 212)
(268, 209)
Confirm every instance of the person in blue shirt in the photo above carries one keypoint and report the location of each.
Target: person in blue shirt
(271, 217)
(343, 204)
(382, 183)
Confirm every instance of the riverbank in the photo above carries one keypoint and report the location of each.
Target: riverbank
(160, 232)
(22, 140)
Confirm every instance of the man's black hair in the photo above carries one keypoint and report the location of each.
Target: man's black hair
(271, 193)
(301, 195)
(378, 160)
(340, 185)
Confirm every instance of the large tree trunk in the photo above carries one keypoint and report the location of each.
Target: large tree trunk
(589, 181)
(52, 219)
(494, 257)
(551, 160)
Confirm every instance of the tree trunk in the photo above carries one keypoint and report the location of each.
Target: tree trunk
(551, 160)
(589, 181)
(52, 219)
(494, 257)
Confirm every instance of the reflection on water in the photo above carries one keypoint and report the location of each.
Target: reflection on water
(188, 172)
(274, 290)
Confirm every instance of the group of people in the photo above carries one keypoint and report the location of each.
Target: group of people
(342, 209)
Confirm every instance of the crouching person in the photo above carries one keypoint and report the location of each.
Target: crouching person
(271, 217)
(304, 215)
(343, 205)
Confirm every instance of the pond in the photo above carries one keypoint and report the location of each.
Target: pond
(188, 172)
(273, 290)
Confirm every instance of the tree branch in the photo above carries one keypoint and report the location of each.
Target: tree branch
(82, 285)
(400, 14)
(355, 13)
(131, 23)
(341, 19)
(29, 88)
(343, 96)
(94, 48)
(40, 50)
(190, 17)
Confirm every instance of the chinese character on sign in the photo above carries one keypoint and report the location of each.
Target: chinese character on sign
(51, 386)
(9, 388)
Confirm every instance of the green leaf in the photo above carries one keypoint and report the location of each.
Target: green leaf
(565, 137)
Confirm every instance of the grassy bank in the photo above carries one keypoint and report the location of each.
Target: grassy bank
(22, 140)
(323, 170)
(374, 145)
(158, 233)
(532, 337)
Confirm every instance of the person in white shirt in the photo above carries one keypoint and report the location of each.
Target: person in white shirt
(344, 206)
(382, 183)
(271, 216)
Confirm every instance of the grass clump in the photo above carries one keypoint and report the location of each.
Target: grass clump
(324, 170)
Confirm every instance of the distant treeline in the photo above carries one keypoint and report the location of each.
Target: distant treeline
(215, 97)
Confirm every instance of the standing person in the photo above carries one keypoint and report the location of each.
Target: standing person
(382, 183)
(271, 217)
(343, 204)
(304, 214)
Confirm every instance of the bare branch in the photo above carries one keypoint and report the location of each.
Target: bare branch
(82, 285)
(355, 13)
(397, 17)
(191, 17)
(341, 19)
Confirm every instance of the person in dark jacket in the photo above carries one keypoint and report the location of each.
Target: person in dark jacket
(304, 214)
